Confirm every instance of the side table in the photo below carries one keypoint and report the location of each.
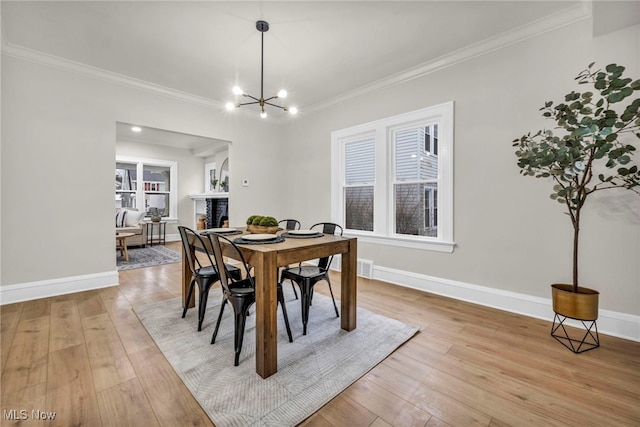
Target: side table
(162, 232)
(121, 244)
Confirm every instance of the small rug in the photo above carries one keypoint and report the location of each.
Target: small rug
(147, 257)
(311, 371)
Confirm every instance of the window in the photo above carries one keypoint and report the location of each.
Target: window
(359, 184)
(389, 178)
(147, 184)
(431, 139)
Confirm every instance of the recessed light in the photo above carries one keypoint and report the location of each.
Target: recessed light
(136, 128)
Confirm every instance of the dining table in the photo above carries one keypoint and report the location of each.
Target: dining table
(265, 258)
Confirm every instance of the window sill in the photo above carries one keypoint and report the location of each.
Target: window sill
(425, 245)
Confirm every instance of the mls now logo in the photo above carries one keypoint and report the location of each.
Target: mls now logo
(23, 414)
(15, 414)
(37, 414)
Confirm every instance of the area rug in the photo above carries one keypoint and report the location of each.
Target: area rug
(311, 371)
(147, 257)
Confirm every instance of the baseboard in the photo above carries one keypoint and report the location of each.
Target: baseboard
(48, 288)
(612, 323)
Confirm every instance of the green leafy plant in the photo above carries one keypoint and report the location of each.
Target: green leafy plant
(268, 221)
(590, 155)
(256, 219)
(265, 221)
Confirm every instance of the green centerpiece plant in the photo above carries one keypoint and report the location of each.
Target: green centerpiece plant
(591, 148)
(268, 221)
(253, 217)
(262, 224)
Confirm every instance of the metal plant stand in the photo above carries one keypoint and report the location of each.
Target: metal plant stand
(589, 341)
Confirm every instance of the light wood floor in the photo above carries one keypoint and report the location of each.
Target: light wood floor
(88, 358)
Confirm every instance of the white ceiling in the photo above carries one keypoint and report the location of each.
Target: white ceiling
(320, 51)
(317, 50)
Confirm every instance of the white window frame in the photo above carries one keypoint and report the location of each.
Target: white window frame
(173, 180)
(345, 185)
(384, 129)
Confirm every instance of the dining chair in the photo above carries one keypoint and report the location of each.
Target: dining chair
(203, 269)
(289, 224)
(240, 293)
(306, 276)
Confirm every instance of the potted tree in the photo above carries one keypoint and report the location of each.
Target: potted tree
(591, 152)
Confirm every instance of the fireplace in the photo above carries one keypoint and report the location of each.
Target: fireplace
(217, 212)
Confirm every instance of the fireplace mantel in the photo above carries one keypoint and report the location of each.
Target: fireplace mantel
(210, 205)
(204, 196)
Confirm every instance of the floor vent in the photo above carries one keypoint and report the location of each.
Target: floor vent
(365, 268)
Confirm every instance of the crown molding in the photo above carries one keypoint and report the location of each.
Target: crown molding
(566, 17)
(57, 62)
(550, 23)
(63, 64)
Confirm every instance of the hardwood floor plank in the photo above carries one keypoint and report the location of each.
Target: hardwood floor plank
(117, 305)
(573, 404)
(444, 405)
(170, 399)
(126, 405)
(389, 407)
(36, 308)
(420, 352)
(437, 422)
(23, 403)
(134, 337)
(27, 359)
(316, 420)
(343, 411)
(90, 303)
(493, 394)
(10, 315)
(448, 409)
(70, 390)
(109, 362)
(66, 329)
(620, 379)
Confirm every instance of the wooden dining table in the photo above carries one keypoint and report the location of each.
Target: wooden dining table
(265, 259)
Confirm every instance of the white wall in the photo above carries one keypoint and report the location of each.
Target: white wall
(510, 236)
(58, 154)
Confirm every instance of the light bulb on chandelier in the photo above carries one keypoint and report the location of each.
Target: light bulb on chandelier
(263, 27)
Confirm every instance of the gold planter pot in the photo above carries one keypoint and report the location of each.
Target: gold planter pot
(581, 305)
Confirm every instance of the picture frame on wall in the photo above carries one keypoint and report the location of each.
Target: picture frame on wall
(210, 179)
(123, 181)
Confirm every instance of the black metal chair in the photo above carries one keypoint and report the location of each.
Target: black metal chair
(241, 294)
(306, 276)
(289, 224)
(203, 270)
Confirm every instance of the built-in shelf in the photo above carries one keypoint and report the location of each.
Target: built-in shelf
(200, 204)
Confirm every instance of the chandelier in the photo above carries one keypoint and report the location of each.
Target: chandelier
(263, 27)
